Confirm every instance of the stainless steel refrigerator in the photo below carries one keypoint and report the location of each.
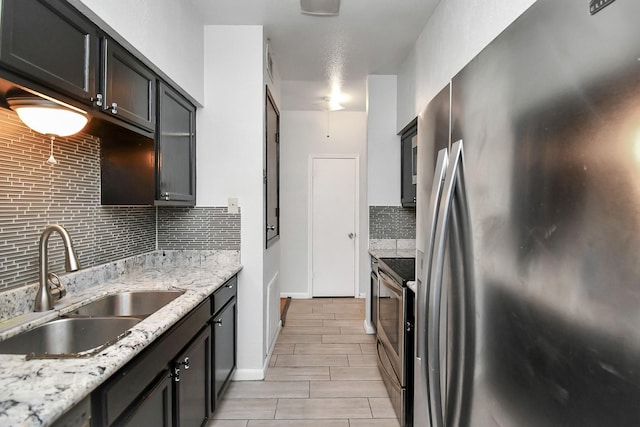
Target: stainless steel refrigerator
(528, 303)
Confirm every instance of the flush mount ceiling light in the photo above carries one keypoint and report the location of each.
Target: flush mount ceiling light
(333, 104)
(48, 117)
(320, 7)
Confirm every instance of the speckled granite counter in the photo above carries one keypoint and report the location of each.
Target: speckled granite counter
(392, 253)
(37, 392)
(392, 248)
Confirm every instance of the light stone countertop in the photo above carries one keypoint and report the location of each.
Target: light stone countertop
(392, 253)
(392, 248)
(37, 392)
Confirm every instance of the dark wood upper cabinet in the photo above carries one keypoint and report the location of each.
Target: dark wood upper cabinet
(127, 86)
(50, 48)
(408, 155)
(175, 149)
(51, 43)
(136, 170)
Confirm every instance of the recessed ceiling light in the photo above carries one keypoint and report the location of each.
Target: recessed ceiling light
(320, 7)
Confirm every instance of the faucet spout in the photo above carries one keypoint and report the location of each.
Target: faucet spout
(44, 300)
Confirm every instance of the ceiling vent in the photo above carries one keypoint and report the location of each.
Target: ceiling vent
(320, 7)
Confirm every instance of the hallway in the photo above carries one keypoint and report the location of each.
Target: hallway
(323, 372)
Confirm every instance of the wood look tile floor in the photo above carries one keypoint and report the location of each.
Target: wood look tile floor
(323, 373)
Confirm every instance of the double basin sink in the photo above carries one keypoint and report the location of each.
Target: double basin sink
(90, 328)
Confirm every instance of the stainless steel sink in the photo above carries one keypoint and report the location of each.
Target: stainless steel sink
(137, 304)
(69, 336)
(94, 326)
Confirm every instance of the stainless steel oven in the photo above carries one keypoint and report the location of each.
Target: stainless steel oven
(391, 319)
(395, 341)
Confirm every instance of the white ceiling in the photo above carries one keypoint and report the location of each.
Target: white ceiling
(314, 54)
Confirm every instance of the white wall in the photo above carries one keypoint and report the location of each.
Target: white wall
(304, 133)
(229, 164)
(167, 33)
(456, 32)
(383, 142)
(271, 268)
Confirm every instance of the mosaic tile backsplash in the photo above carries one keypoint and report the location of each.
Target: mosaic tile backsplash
(198, 229)
(34, 194)
(392, 222)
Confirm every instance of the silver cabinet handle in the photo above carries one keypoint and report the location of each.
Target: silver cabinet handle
(453, 201)
(218, 322)
(271, 227)
(175, 374)
(98, 100)
(185, 363)
(114, 107)
(351, 235)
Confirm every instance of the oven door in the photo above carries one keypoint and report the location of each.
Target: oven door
(391, 319)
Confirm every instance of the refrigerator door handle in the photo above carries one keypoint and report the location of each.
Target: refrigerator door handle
(422, 298)
(435, 284)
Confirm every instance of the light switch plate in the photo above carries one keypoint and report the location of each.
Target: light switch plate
(232, 206)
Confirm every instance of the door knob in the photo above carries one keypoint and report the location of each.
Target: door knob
(351, 235)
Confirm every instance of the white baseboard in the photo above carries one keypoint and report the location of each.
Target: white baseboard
(273, 346)
(257, 374)
(249, 375)
(368, 328)
(295, 295)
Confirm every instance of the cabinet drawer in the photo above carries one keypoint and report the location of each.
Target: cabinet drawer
(224, 294)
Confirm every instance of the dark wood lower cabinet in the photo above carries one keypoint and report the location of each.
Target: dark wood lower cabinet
(154, 407)
(177, 380)
(224, 330)
(191, 370)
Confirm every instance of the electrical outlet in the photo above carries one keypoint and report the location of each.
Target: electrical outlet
(232, 206)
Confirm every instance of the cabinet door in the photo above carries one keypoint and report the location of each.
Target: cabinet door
(175, 149)
(128, 87)
(49, 42)
(408, 166)
(154, 408)
(224, 337)
(191, 371)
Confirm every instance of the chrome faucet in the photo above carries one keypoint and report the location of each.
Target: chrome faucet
(44, 300)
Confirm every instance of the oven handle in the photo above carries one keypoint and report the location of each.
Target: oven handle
(435, 291)
(382, 366)
(389, 282)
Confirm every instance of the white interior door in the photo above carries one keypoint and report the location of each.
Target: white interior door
(333, 235)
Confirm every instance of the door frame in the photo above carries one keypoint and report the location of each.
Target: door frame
(356, 254)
